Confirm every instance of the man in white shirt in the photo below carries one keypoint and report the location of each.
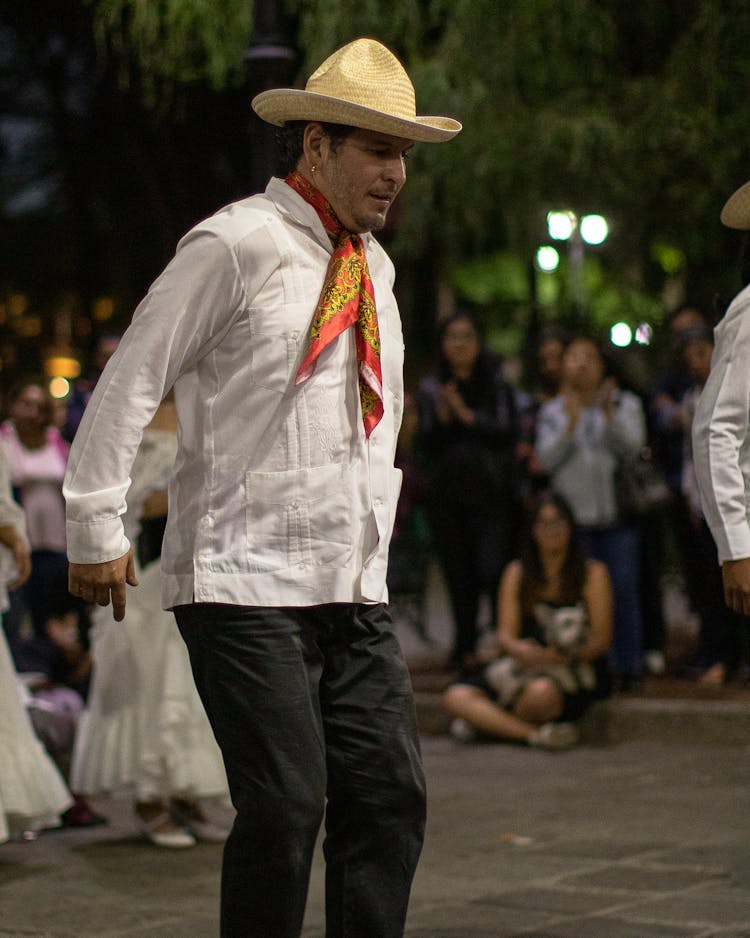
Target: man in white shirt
(282, 501)
(721, 437)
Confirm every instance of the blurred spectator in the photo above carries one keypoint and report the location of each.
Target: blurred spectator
(723, 632)
(582, 437)
(37, 457)
(667, 439)
(669, 389)
(408, 555)
(548, 356)
(32, 791)
(55, 700)
(468, 433)
(554, 628)
(144, 732)
(104, 349)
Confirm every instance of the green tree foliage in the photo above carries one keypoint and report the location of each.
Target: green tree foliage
(635, 110)
(165, 43)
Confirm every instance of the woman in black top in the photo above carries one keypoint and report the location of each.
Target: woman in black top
(468, 431)
(554, 631)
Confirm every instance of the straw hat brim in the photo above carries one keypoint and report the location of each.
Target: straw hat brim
(280, 105)
(736, 211)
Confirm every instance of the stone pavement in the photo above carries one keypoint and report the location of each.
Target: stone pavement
(634, 840)
(644, 830)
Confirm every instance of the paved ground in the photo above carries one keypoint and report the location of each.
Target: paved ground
(643, 831)
(630, 841)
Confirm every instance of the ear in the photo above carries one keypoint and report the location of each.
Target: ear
(313, 143)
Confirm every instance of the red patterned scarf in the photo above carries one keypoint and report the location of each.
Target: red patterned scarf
(347, 297)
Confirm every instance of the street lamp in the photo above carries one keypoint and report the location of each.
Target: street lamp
(271, 61)
(589, 229)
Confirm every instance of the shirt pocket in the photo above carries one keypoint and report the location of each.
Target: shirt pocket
(277, 341)
(298, 518)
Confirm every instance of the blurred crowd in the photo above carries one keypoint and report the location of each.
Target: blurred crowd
(553, 506)
(478, 450)
(89, 706)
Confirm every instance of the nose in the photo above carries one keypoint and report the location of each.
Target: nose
(395, 170)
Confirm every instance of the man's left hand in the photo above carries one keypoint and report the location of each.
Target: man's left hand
(736, 576)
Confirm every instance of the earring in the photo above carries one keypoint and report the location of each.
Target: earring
(313, 168)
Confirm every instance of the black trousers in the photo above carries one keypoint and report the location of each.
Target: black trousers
(473, 547)
(313, 710)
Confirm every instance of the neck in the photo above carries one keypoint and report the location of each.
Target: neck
(587, 395)
(32, 438)
(552, 564)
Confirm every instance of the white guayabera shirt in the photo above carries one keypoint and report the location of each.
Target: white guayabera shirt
(721, 435)
(277, 497)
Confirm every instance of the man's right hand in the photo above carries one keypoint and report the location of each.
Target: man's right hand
(100, 582)
(736, 576)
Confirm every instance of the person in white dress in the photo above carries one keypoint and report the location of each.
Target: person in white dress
(32, 792)
(144, 732)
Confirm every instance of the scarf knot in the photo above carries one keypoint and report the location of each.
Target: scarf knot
(347, 298)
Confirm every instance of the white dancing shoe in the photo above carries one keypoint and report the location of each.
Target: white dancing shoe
(163, 832)
(190, 815)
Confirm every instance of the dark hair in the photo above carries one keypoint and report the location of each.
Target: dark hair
(33, 381)
(289, 142)
(683, 308)
(554, 332)
(573, 573)
(485, 367)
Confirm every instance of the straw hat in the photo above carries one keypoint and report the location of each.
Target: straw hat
(361, 85)
(736, 211)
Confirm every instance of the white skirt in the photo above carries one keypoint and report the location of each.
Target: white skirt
(144, 733)
(32, 791)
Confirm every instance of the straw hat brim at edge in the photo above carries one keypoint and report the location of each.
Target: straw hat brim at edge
(280, 105)
(736, 211)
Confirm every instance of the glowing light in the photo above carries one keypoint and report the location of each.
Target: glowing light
(103, 309)
(643, 334)
(621, 334)
(547, 258)
(59, 387)
(594, 229)
(561, 225)
(17, 304)
(63, 365)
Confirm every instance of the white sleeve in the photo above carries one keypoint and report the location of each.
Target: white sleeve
(188, 308)
(720, 438)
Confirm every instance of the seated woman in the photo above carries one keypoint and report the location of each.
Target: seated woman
(554, 631)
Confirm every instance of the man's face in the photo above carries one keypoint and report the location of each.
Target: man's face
(362, 177)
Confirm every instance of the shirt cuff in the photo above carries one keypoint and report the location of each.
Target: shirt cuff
(734, 543)
(96, 541)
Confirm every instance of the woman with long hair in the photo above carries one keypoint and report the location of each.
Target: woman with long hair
(584, 437)
(468, 431)
(554, 631)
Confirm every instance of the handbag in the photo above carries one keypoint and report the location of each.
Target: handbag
(641, 486)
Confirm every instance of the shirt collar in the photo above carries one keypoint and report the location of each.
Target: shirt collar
(292, 204)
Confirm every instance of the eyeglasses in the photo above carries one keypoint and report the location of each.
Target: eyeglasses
(460, 337)
(550, 523)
